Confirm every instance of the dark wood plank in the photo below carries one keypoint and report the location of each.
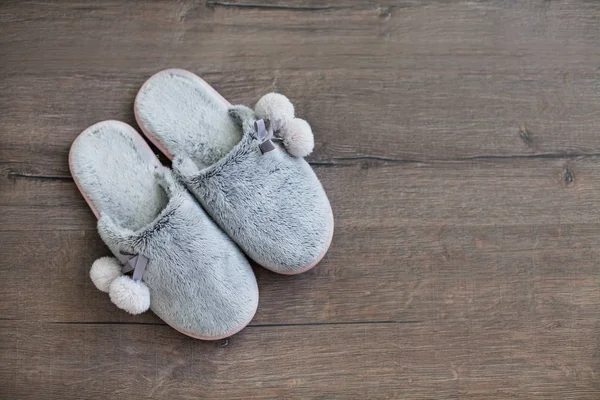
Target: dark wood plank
(502, 274)
(333, 362)
(442, 80)
(369, 193)
(414, 235)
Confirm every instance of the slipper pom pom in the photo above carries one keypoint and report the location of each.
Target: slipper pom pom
(129, 295)
(105, 270)
(298, 138)
(276, 108)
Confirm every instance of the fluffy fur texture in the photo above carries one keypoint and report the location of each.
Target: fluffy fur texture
(276, 108)
(199, 281)
(242, 116)
(105, 270)
(296, 133)
(114, 166)
(183, 108)
(133, 297)
(297, 137)
(272, 205)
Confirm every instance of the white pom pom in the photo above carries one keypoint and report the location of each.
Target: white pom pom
(276, 108)
(128, 295)
(298, 138)
(105, 270)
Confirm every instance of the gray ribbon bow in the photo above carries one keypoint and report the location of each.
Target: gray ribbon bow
(133, 262)
(265, 134)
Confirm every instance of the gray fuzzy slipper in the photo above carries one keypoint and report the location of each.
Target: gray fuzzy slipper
(244, 166)
(184, 267)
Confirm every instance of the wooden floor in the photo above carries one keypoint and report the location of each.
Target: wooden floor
(459, 143)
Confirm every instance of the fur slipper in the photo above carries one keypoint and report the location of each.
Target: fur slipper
(244, 166)
(184, 267)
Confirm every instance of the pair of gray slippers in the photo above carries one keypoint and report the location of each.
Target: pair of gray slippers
(238, 181)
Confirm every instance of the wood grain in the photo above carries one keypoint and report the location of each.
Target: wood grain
(436, 81)
(357, 361)
(457, 142)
